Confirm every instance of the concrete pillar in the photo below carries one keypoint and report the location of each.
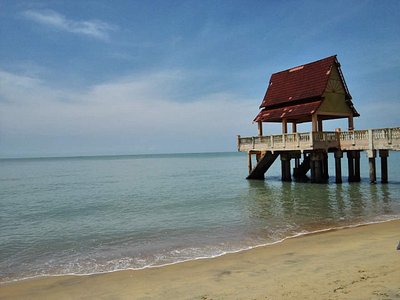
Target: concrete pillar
(312, 170)
(249, 162)
(260, 128)
(316, 165)
(372, 166)
(383, 154)
(285, 167)
(356, 156)
(318, 171)
(325, 166)
(350, 163)
(338, 166)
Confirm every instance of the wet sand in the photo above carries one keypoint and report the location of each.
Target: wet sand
(354, 263)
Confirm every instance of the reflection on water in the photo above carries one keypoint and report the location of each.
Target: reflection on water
(305, 205)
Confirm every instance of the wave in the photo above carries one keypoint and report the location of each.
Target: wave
(183, 255)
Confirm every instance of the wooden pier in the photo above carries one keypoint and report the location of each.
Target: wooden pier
(313, 93)
(309, 151)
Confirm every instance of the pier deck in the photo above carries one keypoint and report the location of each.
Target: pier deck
(315, 146)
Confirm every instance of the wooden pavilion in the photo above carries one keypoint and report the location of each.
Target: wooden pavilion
(314, 92)
(309, 93)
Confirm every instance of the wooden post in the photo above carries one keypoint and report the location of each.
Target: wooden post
(384, 166)
(260, 128)
(350, 162)
(320, 127)
(351, 123)
(372, 165)
(284, 125)
(314, 119)
(356, 156)
(338, 166)
(294, 127)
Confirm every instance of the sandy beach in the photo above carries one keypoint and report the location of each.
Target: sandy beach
(353, 263)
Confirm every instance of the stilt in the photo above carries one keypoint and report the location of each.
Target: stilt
(318, 171)
(249, 162)
(285, 167)
(384, 166)
(356, 156)
(372, 165)
(325, 167)
(350, 162)
(312, 169)
(338, 166)
(317, 167)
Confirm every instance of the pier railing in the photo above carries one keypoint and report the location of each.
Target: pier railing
(371, 139)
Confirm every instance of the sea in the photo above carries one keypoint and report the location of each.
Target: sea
(89, 215)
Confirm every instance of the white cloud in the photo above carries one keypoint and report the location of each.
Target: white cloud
(133, 114)
(93, 28)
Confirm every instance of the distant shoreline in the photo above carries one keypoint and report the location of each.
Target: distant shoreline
(116, 155)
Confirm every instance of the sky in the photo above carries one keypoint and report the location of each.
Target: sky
(132, 77)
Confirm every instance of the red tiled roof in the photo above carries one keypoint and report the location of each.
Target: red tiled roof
(289, 112)
(308, 81)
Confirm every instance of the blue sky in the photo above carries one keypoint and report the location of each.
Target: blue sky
(127, 77)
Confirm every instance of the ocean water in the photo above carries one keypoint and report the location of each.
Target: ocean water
(88, 215)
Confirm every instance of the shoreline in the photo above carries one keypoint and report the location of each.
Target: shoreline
(241, 275)
(297, 235)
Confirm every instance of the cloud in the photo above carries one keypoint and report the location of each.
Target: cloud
(93, 28)
(134, 114)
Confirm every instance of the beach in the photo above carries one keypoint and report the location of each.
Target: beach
(353, 263)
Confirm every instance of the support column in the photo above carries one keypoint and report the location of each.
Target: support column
(350, 162)
(325, 166)
(260, 128)
(249, 162)
(314, 119)
(372, 166)
(316, 165)
(284, 125)
(383, 154)
(320, 127)
(356, 156)
(285, 167)
(338, 166)
(294, 127)
(351, 123)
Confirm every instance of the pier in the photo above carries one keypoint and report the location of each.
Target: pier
(313, 93)
(309, 152)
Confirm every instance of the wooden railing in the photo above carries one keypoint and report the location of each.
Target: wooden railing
(371, 139)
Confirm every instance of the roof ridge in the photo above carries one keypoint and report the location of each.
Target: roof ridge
(303, 65)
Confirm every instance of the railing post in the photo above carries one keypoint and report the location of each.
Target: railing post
(389, 136)
(370, 140)
(253, 141)
(283, 140)
(354, 138)
(298, 139)
(272, 141)
(311, 139)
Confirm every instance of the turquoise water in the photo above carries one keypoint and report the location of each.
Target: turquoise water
(98, 214)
